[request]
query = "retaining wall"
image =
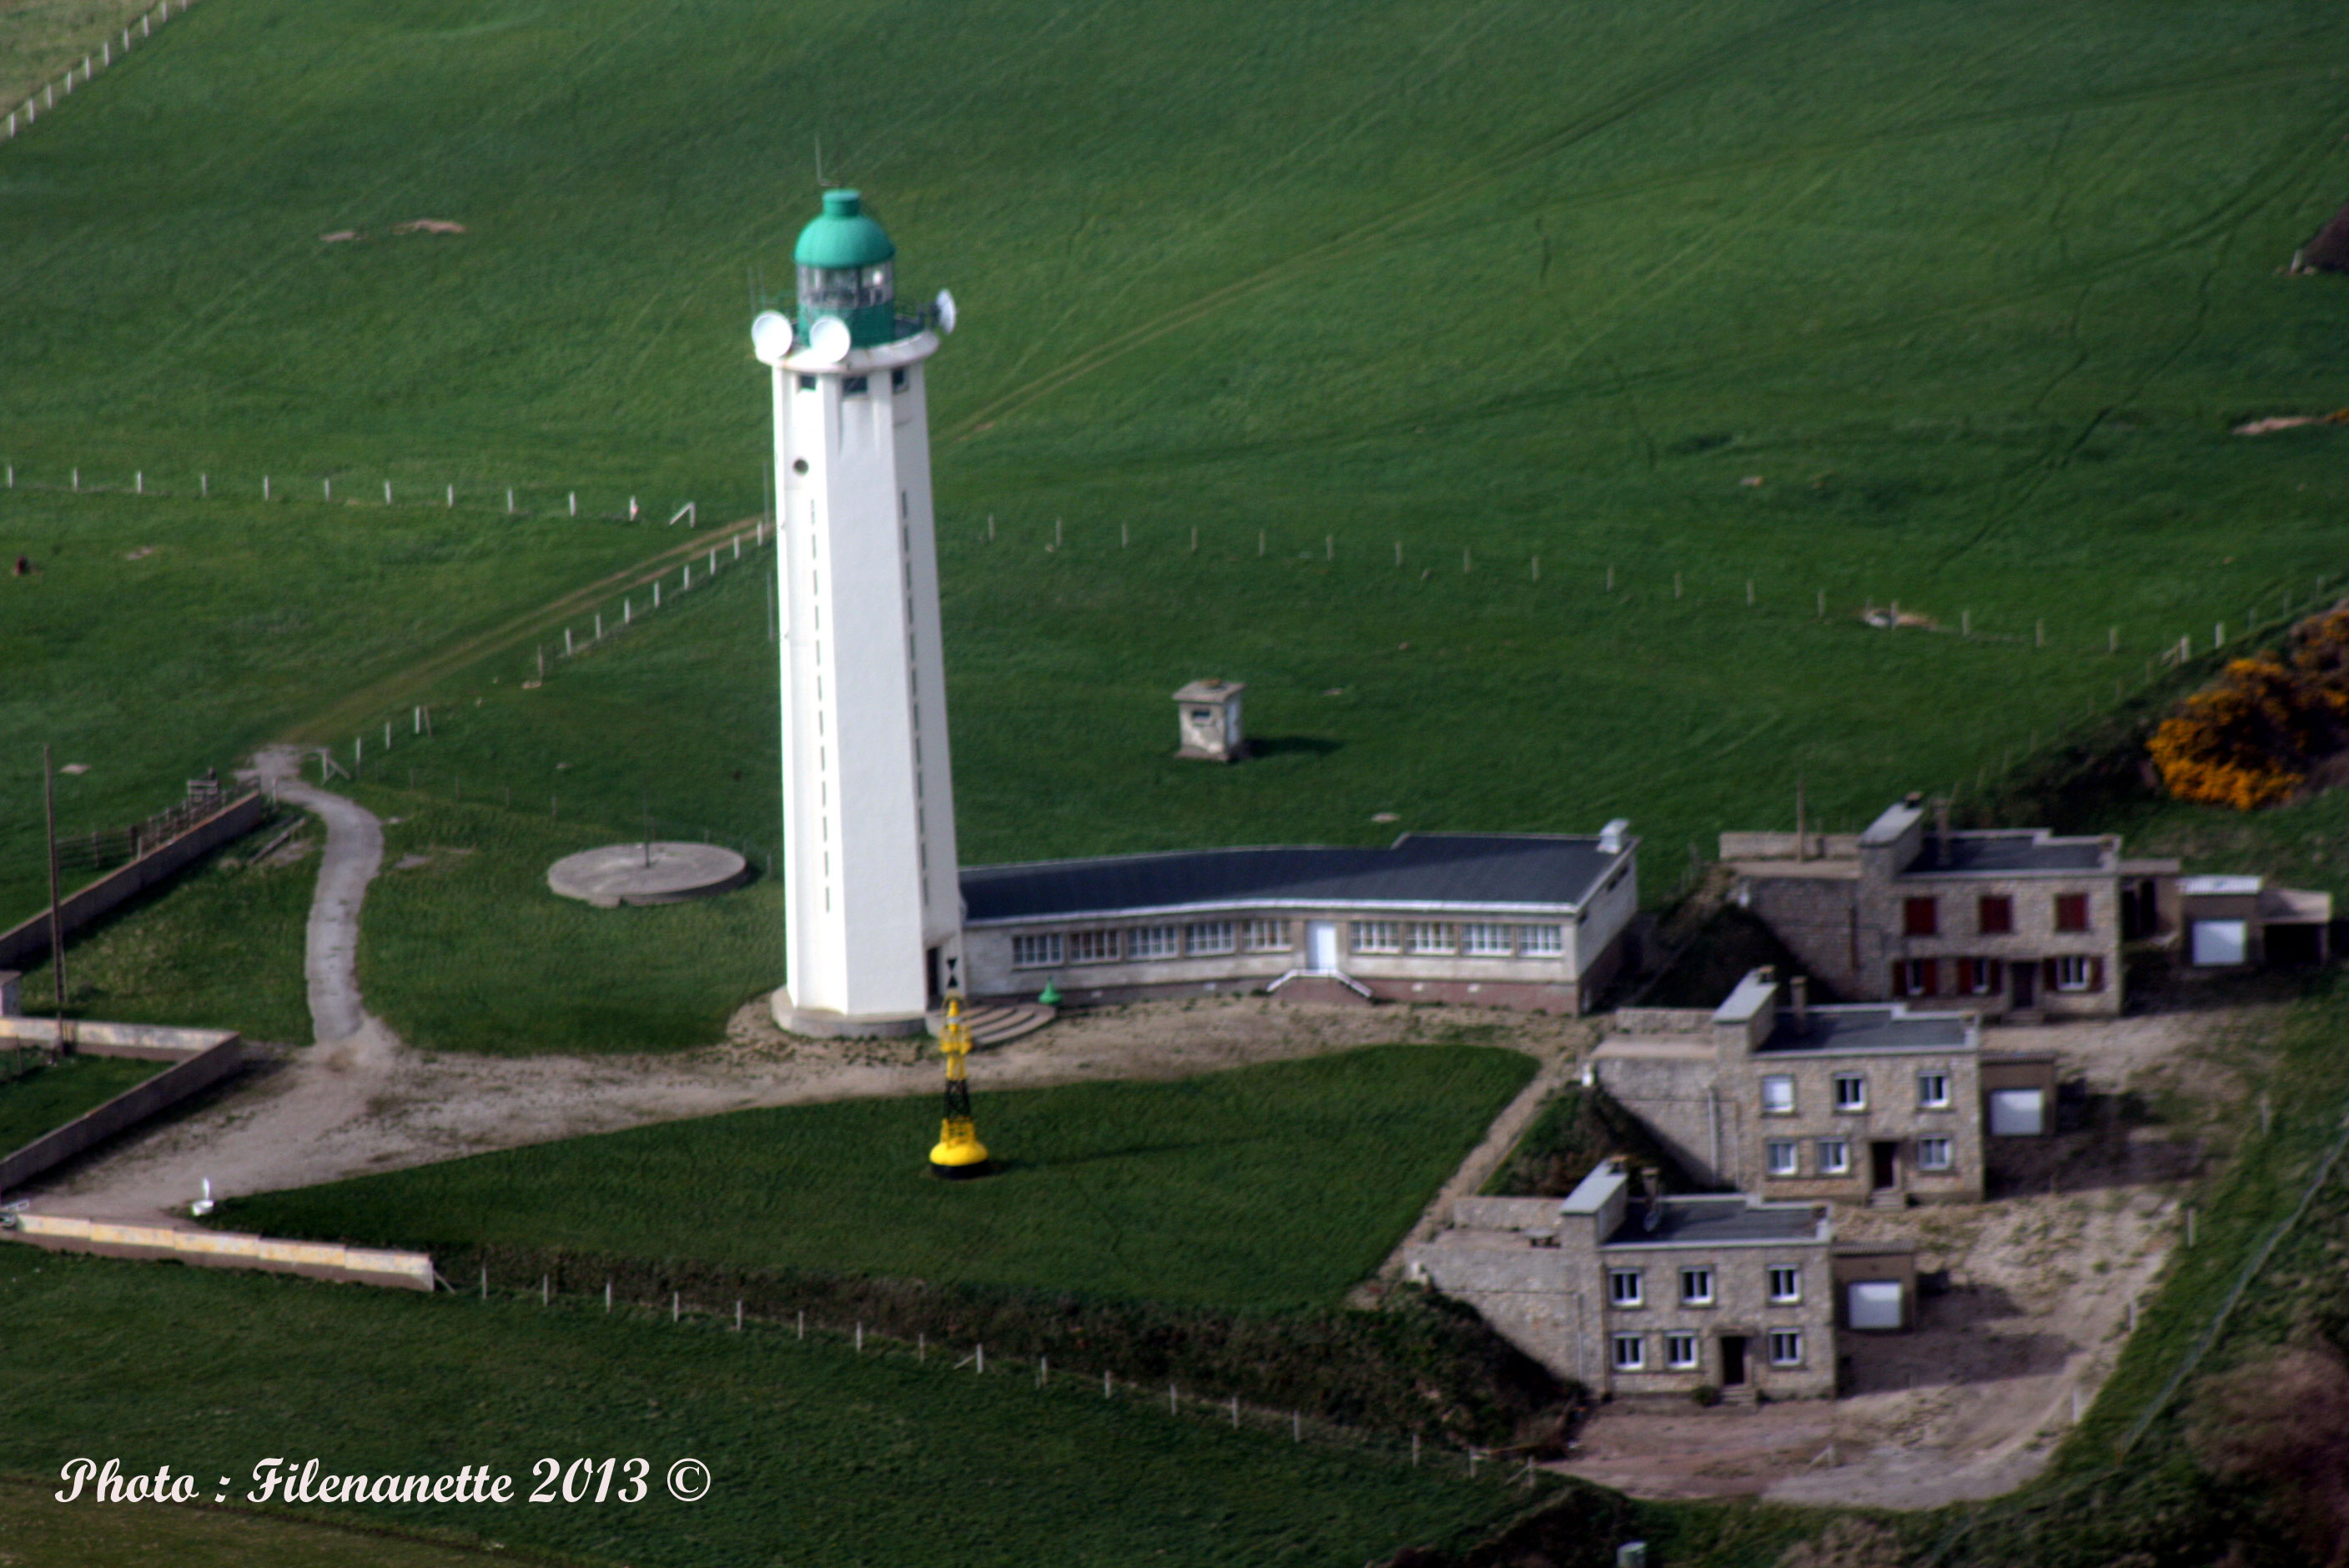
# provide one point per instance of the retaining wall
(203, 1058)
(28, 943)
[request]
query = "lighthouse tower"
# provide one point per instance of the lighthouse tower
(873, 906)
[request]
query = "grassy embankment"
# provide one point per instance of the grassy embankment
(819, 1457)
(36, 1099)
(42, 37)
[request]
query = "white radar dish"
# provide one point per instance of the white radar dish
(828, 340)
(945, 310)
(771, 336)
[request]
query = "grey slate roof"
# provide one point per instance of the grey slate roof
(1481, 871)
(1686, 1221)
(1863, 1029)
(2006, 853)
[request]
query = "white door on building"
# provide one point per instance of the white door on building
(2219, 943)
(1876, 1303)
(1321, 946)
(2018, 1112)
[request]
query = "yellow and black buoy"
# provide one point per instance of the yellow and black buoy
(959, 1156)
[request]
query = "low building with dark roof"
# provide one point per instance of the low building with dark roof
(1530, 921)
(1649, 1295)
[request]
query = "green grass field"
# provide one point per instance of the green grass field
(42, 1533)
(1975, 294)
(37, 1099)
(819, 1459)
(1262, 1188)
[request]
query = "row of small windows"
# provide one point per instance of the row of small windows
(1784, 1156)
(1851, 1092)
(1681, 1351)
(1212, 938)
(858, 386)
(1478, 940)
(1987, 976)
(1201, 939)
(1628, 1287)
(1994, 914)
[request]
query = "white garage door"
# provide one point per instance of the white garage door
(2018, 1112)
(2218, 942)
(1876, 1303)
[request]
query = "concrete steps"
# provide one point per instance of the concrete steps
(998, 1023)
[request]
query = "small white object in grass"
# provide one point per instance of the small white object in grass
(1386, 817)
(75, 767)
(1751, 481)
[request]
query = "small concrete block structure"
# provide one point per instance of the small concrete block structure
(1208, 721)
(2233, 922)
(1876, 1286)
(2018, 1094)
(656, 873)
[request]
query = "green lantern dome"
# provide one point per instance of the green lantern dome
(844, 236)
(847, 269)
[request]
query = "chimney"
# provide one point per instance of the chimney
(1652, 1189)
(1799, 988)
(1941, 824)
(1611, 836)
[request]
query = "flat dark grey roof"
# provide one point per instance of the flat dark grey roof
(2006, 853)
(1866, 1029)
(1470, 870)
(1686, 1221)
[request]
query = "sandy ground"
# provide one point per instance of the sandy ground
(2040, 1279)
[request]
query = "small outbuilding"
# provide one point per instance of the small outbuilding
(1207, 721)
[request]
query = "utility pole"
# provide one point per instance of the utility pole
(57, 920)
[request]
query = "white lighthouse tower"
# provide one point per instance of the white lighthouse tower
(873, 906)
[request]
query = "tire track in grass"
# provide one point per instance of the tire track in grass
(367, 703)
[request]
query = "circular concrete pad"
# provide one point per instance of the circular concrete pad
(636, 873)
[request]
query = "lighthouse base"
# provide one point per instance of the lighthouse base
(962, 1172)
(825, 1023)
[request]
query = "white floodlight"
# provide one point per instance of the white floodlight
(771, 336)
(829, 341)
(945, 310)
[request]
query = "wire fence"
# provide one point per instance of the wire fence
(28, 111)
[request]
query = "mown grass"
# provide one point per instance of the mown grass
(43, 1533)
(1975, 296)
(220, 946)
(819, 1457)
(1266, 1187)
(36, 1099)
(468, 949)
(41, 37)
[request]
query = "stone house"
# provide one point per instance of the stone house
(1877, 1103)
(1649, 1295)
(2002, 922)
(1538, 922)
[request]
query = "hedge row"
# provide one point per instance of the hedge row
(1420, 1363)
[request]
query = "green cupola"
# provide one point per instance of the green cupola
(846, 266)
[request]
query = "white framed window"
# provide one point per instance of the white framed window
(1784, 1159)
(1039, 951)
(1265, 936)
(1851, 1091)
(1210, 937)
(1430, 937)
(1488, 941)
(1680, 1351)
(1378, 936)
(1541, 940)
(1094, 946)
(2075, 972)
(1834, 1157)
(1980, 975)
(1696, 1287)
(1932, 1091)
(1935, 1154)
(1155, 941)
(1630, 1353)
(1777, 1094)
(1785, 1283)
(1786, 1347)
(1624, 1288)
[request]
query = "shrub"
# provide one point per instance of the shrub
(2256, 737)
(1706, 1394)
